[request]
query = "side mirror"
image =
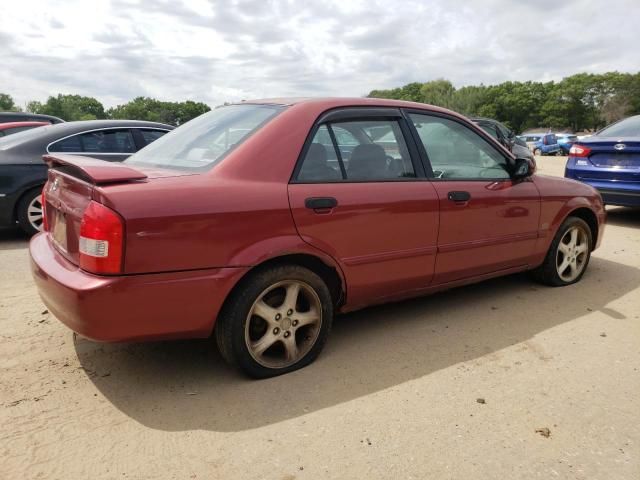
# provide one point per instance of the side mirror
(523, 168)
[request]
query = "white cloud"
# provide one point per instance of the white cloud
(216, 51)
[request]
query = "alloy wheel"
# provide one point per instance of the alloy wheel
(34, 213)
(283, 324)
(572, 253)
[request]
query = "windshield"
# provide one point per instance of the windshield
(204, 141)
(629, 127)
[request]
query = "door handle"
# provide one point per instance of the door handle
(459, 196)
(321, 203)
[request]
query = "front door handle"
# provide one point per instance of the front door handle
(459, 196)
(321, 203)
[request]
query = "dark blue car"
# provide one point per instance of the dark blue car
(610, 162)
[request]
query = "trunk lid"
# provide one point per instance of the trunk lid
(72, 183)
(613, 152)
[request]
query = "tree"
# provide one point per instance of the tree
(438, 92)
(152, 110)
(6, 103)
(70, 107)
(189, 110)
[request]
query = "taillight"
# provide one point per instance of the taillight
(101, 239)
(579, 151)
(43, 201)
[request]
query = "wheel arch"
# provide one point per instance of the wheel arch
(330, 273)
(586, 214)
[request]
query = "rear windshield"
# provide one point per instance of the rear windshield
(629, 127)
(204, 141)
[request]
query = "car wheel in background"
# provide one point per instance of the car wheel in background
(568, 255)
(537, 151)
(29, 211)
(276, 321)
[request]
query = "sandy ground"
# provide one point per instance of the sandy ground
(394, 395)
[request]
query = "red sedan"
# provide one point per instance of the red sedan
(258, 221)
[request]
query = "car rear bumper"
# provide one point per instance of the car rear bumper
(129, 307)
(624, 198)
(617, 186)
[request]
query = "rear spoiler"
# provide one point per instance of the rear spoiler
(92, 170)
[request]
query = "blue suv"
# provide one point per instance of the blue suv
(542, 143)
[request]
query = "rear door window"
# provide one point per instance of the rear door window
(151, 135)
(67, 145)
(108, 141)
(364, 150)
(99, 141)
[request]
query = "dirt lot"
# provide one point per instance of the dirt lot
(396, 393)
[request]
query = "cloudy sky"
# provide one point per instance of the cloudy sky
(216, 51)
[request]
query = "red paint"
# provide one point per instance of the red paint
(10, 125)
(190, 238)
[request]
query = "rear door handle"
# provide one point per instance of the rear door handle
(459, 196)
(321, 203)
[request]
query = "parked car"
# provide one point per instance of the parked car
(542, 143)
(505, 136)
(6, 117)
(565, 141)
(610, 162)
(23, 172)
(261, 240)
(10, 128)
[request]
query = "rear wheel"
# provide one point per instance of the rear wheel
(29, 211)
(568, 255)
(277, 321)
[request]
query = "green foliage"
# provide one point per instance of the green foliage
(69, 107)
(6, 103)
(144, 108)
(581, 101)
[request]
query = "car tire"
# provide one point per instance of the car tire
(276, 321)
(537, 151)
(568, 256)
(27, 211)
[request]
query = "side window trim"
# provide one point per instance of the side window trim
(345, 114)
(425, 157)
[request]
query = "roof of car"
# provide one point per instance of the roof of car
(108, 123)
(335, 102)
(31, 116)
(7, 125)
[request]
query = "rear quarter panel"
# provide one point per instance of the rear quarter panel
(196, 222)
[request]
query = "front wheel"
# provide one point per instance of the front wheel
(537, 151)
(277, 321)
(568, 255)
